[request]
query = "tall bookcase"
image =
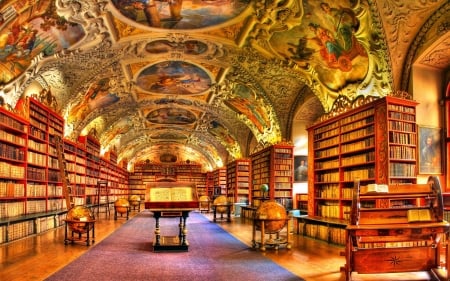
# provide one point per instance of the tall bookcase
(239, 181)
(31, 195)
(273, 166)
(373, 140)
(75, 158)
(44, 183)
(91, 146)
(220, 180)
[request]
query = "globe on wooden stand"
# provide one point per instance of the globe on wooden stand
(274, 216)
(221, 200)
(135, 201)
(121, 206)
(270, 218)
(80, 213)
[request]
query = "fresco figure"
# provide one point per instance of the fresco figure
(344, 22)
(97, 96)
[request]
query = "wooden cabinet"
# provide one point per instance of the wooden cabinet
(239, 181)
(374, 140)
(273, 166)
(398, 230)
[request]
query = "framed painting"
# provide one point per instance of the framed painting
(430, 147)
(300, 168)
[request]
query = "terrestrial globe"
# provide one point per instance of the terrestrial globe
(218, 201)
(134, 200)
(121, 205)
(80, 213)
(273, 215)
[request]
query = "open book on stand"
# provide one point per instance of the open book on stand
(374, 188)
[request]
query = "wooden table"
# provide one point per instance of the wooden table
(171, 243)
(82, 228)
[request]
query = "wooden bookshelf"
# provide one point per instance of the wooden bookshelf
(90, 144)
(75, 158)
(239, 181)
(209, 182)
(302, 202)
(383, 237)
(31, 187)
(31, 197)
(273, 166)
(146, 173)
(220, 180)
(374, 140)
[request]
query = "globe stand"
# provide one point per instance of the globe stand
(272, 242)
(271, 219)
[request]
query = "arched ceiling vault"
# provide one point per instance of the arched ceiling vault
(191, 80)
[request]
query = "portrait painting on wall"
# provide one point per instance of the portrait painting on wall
(430, 160)
(300, 168)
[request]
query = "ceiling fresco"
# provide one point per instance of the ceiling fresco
(208, 81)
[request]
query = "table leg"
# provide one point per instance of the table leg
(288, 234)
(184, 231)
(157, 232)
(228, 213)
(65, 234)
(88, 241)
(263, 245)
(254, 234)
(93, 232)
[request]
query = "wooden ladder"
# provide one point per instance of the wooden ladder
(67, 190)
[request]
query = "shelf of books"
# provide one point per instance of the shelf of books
(238, 181)
(91, 146)
(372, 139)
(273, 166)
(191, 172)
(146, 172)
(116, 177)
(75, 158)
(31, 197)
(220, 180)
(302, 202)
(209, 182)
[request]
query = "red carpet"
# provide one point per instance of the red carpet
(214, 255)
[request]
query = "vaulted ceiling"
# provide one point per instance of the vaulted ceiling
(209, 81)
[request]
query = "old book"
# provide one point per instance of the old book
(173, 194)
(375, 188)
(418, 215)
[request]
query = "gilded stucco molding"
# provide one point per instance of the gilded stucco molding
(402, 21)
(440, 24)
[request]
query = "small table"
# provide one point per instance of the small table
(271, 242)
(227, 206)
(82, 228)
(171, 243)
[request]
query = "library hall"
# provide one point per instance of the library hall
(209, 140)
